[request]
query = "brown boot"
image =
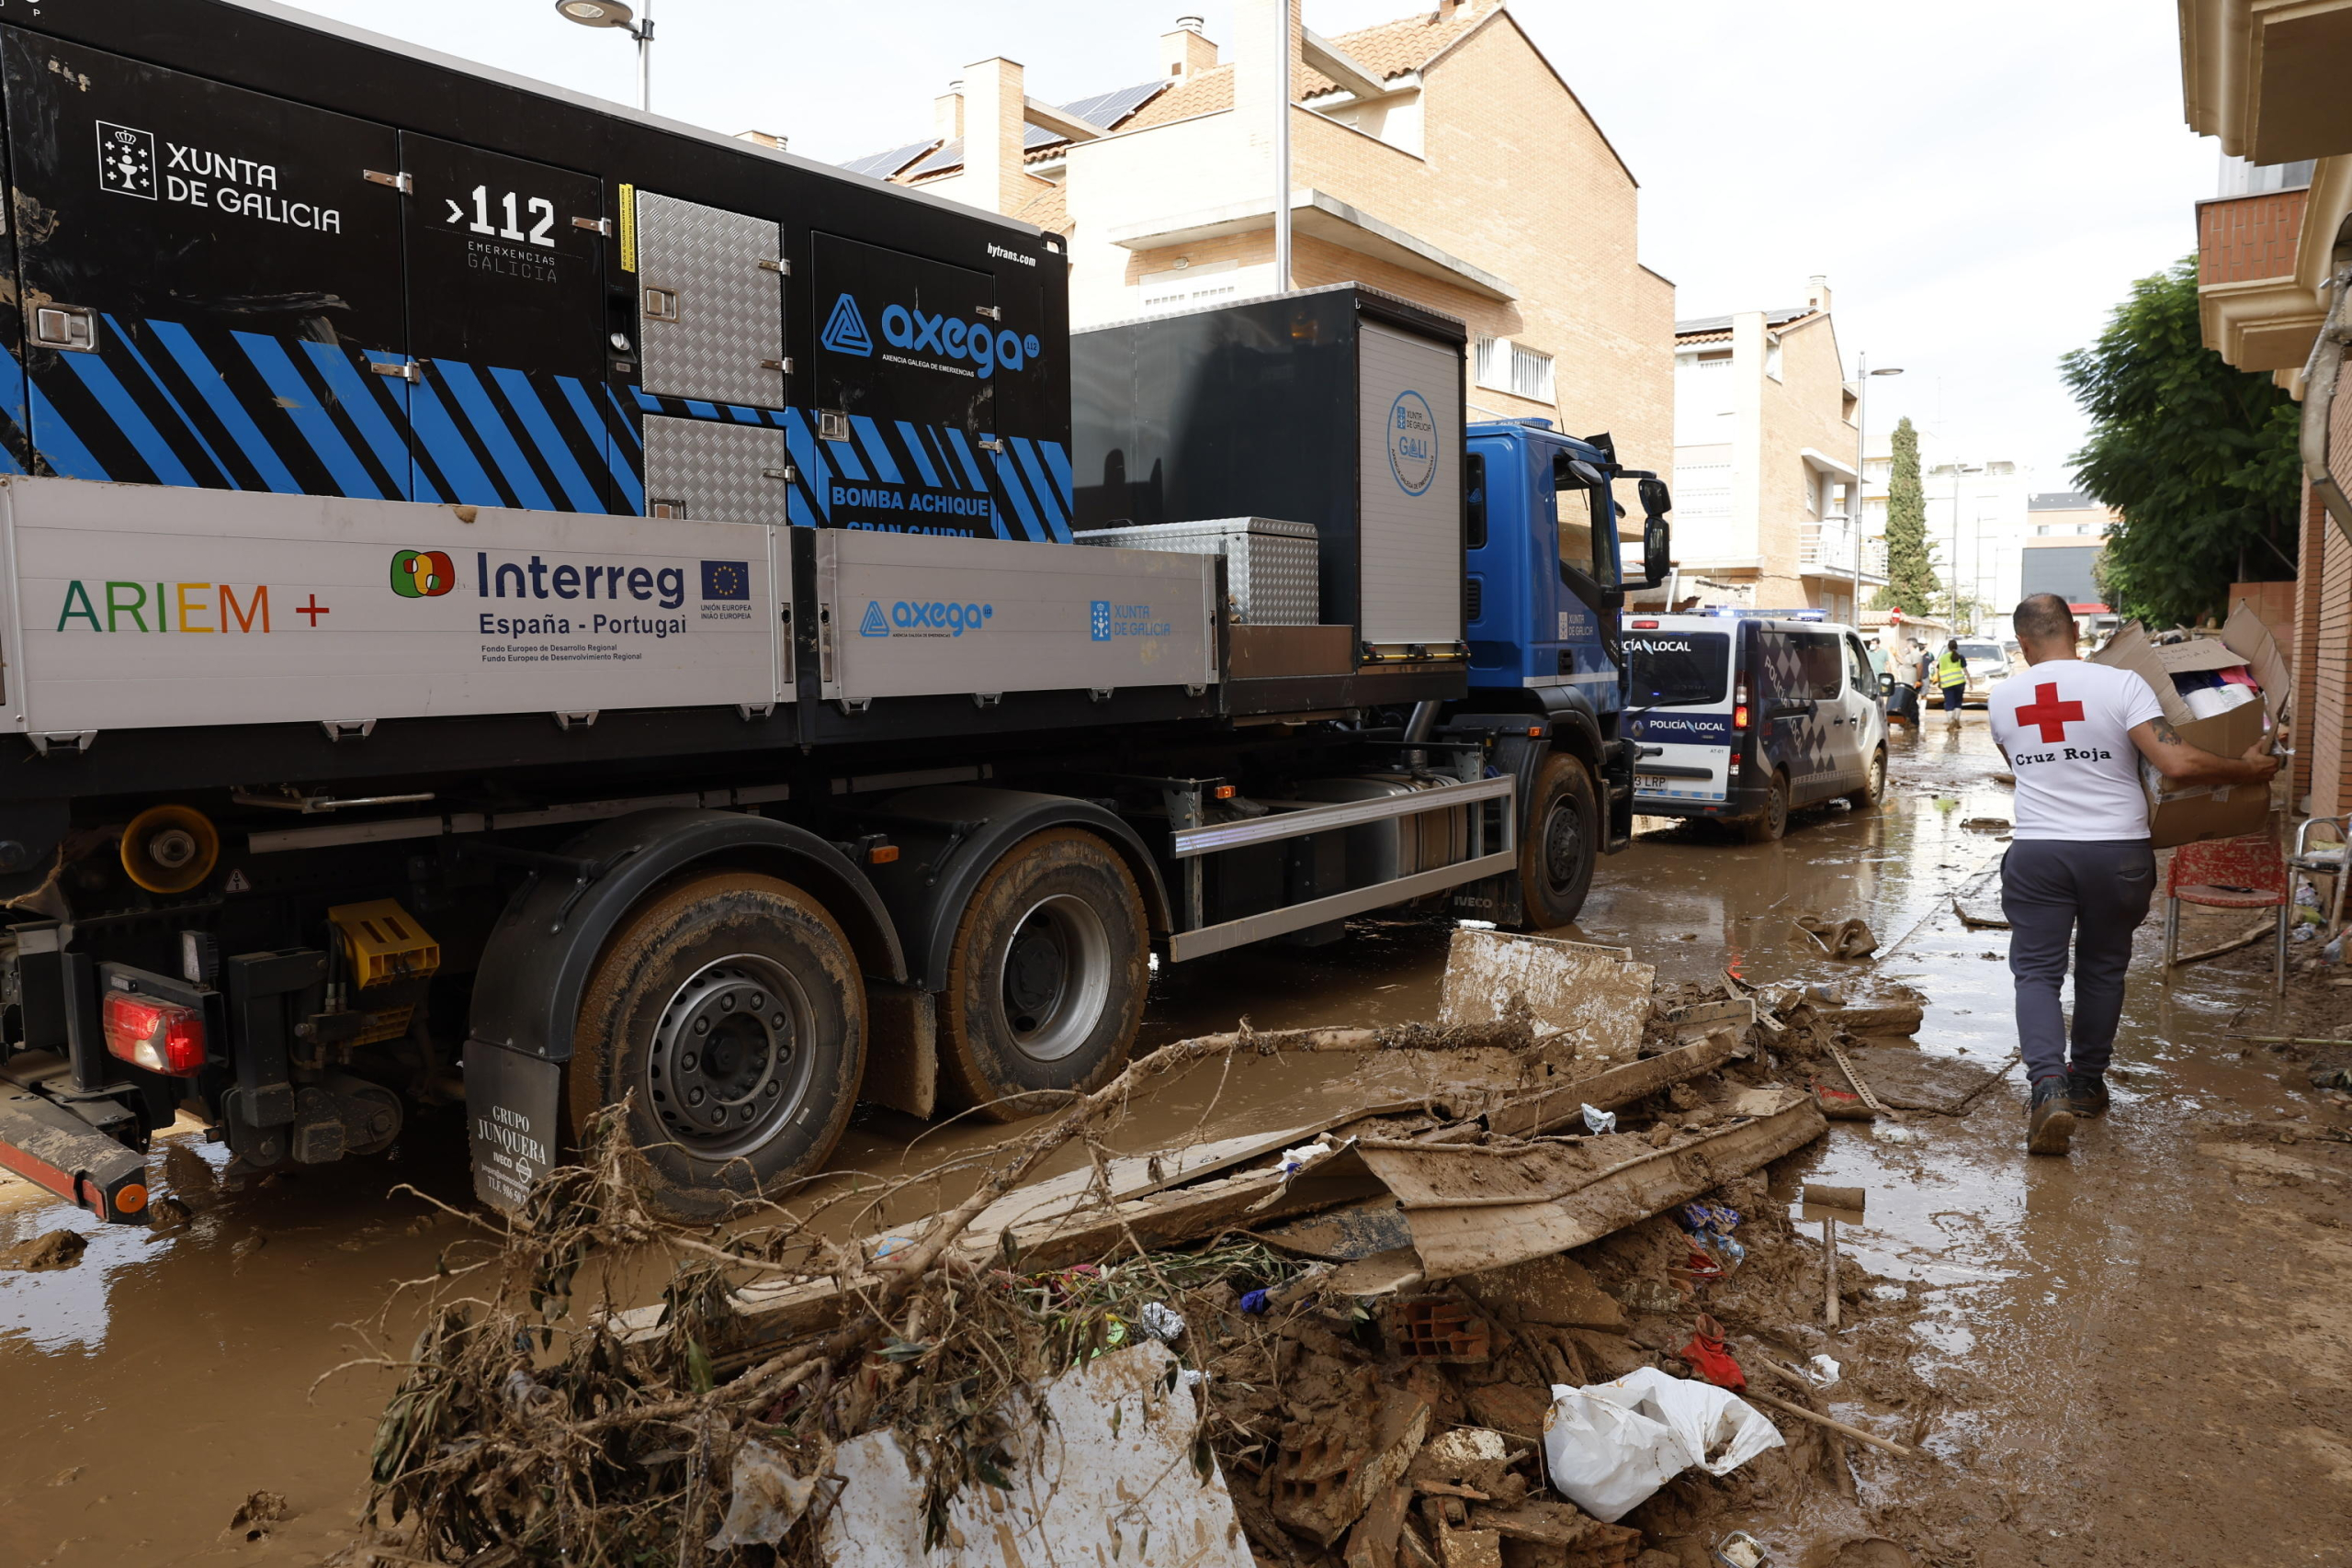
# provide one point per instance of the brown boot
(2051, 1123)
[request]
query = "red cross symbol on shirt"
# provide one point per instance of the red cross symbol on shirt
(2048, 712)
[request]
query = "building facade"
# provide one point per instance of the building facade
(1764, 449)
(1977, 523)
(1441, 157)
(2269, 81)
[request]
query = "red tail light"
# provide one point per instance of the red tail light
(158, 1036)
(1645, 626)
(1740, 707)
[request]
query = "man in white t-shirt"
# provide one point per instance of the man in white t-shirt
(2079, 871)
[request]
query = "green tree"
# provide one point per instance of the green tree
(1910, 570)
(2198, 458)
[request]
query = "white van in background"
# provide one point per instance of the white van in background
(1745, 717)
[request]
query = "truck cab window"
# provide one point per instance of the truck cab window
(1588, 526)
(1473, 501)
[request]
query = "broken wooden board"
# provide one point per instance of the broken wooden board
(1457, 1233)
(1978, 903)
(1556, 1290)
(1109, 1472)
(1608, 1090)
(1342, 1235)
(1596, 996)
(1699, 1019)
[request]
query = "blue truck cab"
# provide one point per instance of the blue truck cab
(1545, 584)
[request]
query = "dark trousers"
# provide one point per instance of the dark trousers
(2091, 896)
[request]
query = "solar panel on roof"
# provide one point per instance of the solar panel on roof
(949, 156)
(882, 165)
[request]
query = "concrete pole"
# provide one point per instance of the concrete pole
(1282, 155)
(645, 56)
(1862, 466)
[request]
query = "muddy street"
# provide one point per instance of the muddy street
(2130, 1350)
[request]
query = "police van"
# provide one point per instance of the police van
(1746, 715)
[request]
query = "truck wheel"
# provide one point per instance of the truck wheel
(1770, 824)
(1873, 788)
(1046, 979)
(1556, 858)
(730, 1012)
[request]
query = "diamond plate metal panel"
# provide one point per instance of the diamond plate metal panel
(1270, 563)
(714, 472)
(709, 314)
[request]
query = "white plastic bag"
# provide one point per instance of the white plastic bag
(1608, 1446)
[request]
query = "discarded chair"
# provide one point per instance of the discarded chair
(2324, 858)
(2230, 874)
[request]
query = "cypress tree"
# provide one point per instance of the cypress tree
(1910, 570)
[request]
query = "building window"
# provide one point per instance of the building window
(1489, 360)
(1772, 359)
(1531, 374)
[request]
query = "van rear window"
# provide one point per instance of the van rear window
(1678, 669)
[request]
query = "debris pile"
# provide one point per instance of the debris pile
(1474, 1322)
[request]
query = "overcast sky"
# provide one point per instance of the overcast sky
(1981, 183)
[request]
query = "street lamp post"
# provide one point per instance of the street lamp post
(614, 14)
(1958, 469)
(1862, 374)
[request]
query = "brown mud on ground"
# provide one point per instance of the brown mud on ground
(2134, 1356)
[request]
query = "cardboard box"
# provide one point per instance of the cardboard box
(2188, 814)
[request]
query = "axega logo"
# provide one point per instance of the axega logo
(935, 618)
(986, 348)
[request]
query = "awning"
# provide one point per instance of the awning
(1322, 217)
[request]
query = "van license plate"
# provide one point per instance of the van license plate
(1652, 784)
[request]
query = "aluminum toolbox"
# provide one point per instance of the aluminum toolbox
(1270, 564)
(912, 615)
(1339, 407)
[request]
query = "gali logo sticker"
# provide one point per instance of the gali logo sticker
(845, 329)
(1412, 443)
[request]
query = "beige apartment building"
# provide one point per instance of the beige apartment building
(1764, 448)
(1441, 157)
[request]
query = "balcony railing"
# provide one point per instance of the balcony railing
(1828, 547)
(2246, 239)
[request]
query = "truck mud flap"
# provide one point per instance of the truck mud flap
(45, 1143)
(512, 1103)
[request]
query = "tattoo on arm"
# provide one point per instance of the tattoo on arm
(2164, 733)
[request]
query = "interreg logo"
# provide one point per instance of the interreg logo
(910, 618)
(422, 574)
(845, 329)
(984, 347)
(1412, 443)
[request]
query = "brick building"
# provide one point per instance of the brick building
(1764, 450)
(2268, 80)
(1441, 157)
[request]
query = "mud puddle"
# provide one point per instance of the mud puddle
(2123, 1345)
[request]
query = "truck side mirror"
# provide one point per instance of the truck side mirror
(1657, 548)
(1656, 500)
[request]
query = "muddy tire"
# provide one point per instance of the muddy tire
(1562, 839)
(729, 1010)
(1873, 788)
(1771, 824)
(1046, 979)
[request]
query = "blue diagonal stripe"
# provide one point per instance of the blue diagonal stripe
(647, 400)
(816, 474)
(352, 393)
(630, 496)
(621, 420)
(214, 389)
(481, 414)
(130, 346)
(1008, 475)
(12, 388)
(1048, 502)
(1058, 460)
(523, 399)
(843, 454)
(962, 453)
(877, 450)
(102, 383)
(913, 438)
(301, 404)
(438, 433)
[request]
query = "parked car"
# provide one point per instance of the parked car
(1987, 664)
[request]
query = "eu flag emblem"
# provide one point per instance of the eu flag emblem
(726, 579)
